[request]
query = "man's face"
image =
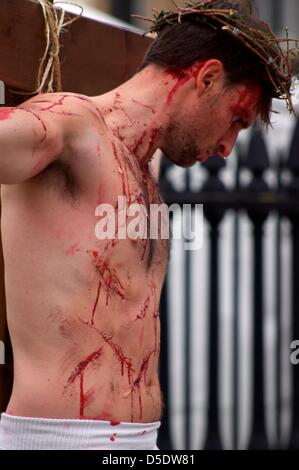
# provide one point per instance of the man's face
(211, 126)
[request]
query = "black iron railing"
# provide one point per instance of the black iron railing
(258, 201)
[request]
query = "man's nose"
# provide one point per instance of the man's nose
(227, 143)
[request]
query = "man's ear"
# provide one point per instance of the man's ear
(210, 75)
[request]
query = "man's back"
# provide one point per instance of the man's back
(82, 312)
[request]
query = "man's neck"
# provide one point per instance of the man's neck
(137, 112)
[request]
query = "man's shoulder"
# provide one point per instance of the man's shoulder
(64, 104)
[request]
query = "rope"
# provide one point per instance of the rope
(49, 73)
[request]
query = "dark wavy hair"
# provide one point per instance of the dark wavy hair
(180, 45)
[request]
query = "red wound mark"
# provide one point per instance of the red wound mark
(104, 417)
(112, 438)
(124, 361)
(85, 398)
(139, 142)
(118, 105)
(114, 423)
(137, 381)
(248, 101)
(123, 172)
(73, 249)
(89, 101)
(182, 76)
(79, 372)
(149, 137)
(52, 105)
(96, 303)
(40, 121)
(82, 365)
(110, 281)
(144, 309)
(141, 316)
(5, 113)
(152, 139)
(144, 106)
(155, 313)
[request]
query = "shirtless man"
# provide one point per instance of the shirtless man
(83, 313)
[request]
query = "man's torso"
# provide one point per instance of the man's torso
(83, 313)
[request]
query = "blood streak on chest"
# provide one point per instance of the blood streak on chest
(50, 105)
(73, 249)
(135, 379)
(141, 316)
(156, 313)
(109, 282)
(137, 382)
(122, 169)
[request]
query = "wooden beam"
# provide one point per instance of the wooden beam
(95, 57)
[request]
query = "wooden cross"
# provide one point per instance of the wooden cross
(95, 58)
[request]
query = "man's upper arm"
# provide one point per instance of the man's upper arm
(29, 140)
(35, 133)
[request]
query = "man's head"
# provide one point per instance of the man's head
(235, 81)
(207, 114)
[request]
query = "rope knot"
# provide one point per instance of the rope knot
(49, 74)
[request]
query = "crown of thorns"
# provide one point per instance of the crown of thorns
(277, 54)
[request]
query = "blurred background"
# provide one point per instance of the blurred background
(277, 12)
(229, 311)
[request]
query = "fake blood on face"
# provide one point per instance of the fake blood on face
(247, 102)
(182, 76)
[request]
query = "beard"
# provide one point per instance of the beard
(180, 147)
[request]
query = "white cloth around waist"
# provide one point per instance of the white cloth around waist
(24, 433)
